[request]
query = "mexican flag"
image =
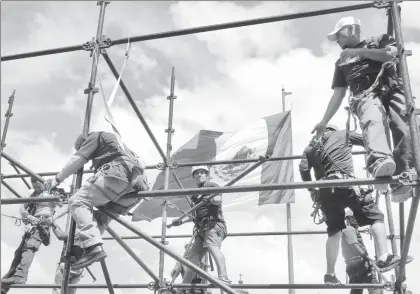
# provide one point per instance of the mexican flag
(270, 136)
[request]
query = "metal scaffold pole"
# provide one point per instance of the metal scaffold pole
(415, 138)
(169, 132)
(90, 91)
(290, 262)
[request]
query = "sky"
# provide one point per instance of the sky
(223, 80)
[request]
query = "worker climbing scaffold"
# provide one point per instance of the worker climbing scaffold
(330, 157)
(367, 68)
(38, 222)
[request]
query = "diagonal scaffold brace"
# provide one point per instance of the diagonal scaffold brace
(90, 91)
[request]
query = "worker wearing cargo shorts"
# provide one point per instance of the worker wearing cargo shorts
(367, 68)
(210, 228)
(331, 158)
(118, 172)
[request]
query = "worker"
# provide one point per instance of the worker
(210, 228)
(38, 219)
(331, 159)
(359, 267)
(374, 103)
(118, 172)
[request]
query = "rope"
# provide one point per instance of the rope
(170, 204)
(18, 221)
(317, 214)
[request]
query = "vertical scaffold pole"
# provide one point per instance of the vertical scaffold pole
(415, 137)
(289, 217)
(90, 91)
(170, 132)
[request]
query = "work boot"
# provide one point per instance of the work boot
(91, 255)
(331, 280)
(13, 280)
(390, 262)
(385, 168)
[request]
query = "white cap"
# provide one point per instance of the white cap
(199, 167)
(345, 21)
(348, 212)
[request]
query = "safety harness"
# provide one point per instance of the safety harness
(383, 87)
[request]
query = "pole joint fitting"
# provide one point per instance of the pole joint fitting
(408, 178)
(100, 2)
(171, 97)
(390, 286)
(8, 114)
(384, 3)
(103, 42)
(170, 131)
(90, 89)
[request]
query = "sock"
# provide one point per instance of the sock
(331, 274)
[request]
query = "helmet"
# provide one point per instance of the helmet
(332, 127)
(199, 167)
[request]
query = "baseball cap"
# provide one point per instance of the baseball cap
(345, 21)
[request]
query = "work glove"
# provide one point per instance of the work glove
(314, 195)
(51, 184)
(207, 199)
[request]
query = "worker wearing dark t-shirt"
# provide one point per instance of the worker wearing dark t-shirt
(373, 103)
(117, 172)
(331, 159)
(210, 228)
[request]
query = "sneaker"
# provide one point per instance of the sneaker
(385, 168)
(13, 280)
(331, 280)
(401, 193)
(224, 280)
(387, 265)
(91, 255)
(409, 259)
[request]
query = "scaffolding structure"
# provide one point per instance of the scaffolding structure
(98, 46)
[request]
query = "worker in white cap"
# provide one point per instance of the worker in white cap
(210, 227)
(367, 68)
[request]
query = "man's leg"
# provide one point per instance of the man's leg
(367, 212)
(194, 255)
(102, 188)
(373, 121)
(30, 247)
(403, 153)
(214, 237)
(332, 205)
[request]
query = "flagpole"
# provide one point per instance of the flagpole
(289, 217)
(169, 131)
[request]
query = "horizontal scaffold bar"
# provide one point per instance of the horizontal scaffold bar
(233, 189)
(202, 29)
(203, 286)
(249, 234)
(184, 164)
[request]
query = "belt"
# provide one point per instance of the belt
(337, 175)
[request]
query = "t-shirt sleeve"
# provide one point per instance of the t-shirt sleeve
(338, 79)
(89, 146)
(385, 41)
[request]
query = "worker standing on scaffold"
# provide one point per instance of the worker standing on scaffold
(331, 159)
(359, 267)
(367, 67)
(117, 172)
(210, 228)
(38, 219)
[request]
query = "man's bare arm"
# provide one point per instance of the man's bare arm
(382, 55)
(333, 106)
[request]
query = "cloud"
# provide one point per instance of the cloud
(223, 80)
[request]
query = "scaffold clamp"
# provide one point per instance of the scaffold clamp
(103, 42)
(389, 286)
(384, 3)
(408, 179)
